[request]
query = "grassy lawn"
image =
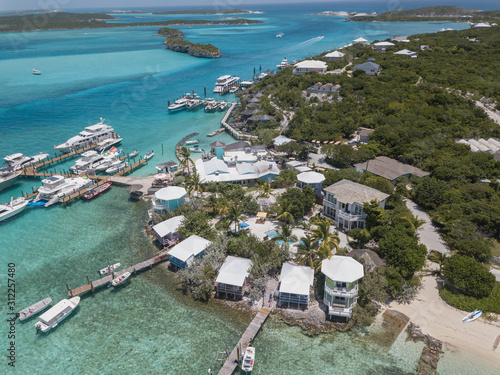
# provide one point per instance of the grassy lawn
(489, 304)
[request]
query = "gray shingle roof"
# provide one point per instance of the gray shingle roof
(346, 191)
(390, 168)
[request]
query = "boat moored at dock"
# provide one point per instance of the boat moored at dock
(117, 166)
(19, 161)
(149, 155)
(14, 207)
(97, 190)
(109, 269)
(57, 187)
(120, 280)
(56, 314)
(92, 134)
(248, 359)
(225, 83)
(8, 177)
(34, 309)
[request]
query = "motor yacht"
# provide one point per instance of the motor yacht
(12, 208)
(56, 314)
(92, 134)
(57, 187)
(224, 84)
(19, 161)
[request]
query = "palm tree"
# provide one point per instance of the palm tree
(306, 254)
(223, 205)
(193, 183)
(212, 202)
(437, 257)
(285, 216)
(415, 223)
(327, 241)
(234, 215)
(285, 235)
(185, 157)
(265, 190)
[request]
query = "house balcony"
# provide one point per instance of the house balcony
(340, 310)
(342, 292)
(329, 204)
(343, 215)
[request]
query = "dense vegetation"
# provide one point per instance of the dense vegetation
(174, 40)
(432, 13)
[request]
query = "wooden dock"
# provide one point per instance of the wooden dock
(181, 142)
(67, 155)
(93, 285)
(250, 333)
(215, 132)
(235, 133)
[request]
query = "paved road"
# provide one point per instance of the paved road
(428, 234)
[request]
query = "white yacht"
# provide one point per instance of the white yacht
(117, 166)
(178, 105)
(56, 187)
(12, 208)
(60, 311)
(36, 72)
(107, 143)
(19, 161)
(280, 35)
(8, 177)
(92, 134)
(284, 63)
(89, 160)
(224, 84)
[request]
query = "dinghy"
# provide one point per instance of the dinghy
(472, 316)
(34, 309)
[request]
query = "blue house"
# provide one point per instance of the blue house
(185, 252)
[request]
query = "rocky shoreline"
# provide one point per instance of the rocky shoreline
(174, 41)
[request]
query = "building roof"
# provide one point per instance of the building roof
(311, 177)
(237, 145)
(190, 247)
(335, 54)
(311, 64)
(303, 168)
(294, 163)
(215, 165)
(360, 40)
(364, 131)
(217, 144)
(401, 39)
(346, 191)
(296, 279)
(171, 193)
(343, 269)
(390, 168)
(383, 44)
(234, 271)
(168, 226)
(246, 168)
(282, 140)
(405, 52)
(367, 66)
(370, 257)
(261, 170)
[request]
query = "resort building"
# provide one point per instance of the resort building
(217, 149)
(168, 199)
(281, 140)
(335, 55)
(327, 88)
(361, 135)
(295, 285)
(382, 46)
(370, 68)
(389, 168)
(166, 231)
(232, 277)
(490, 145)
(402, 39)
(312, 179)
(341, 284)
(185, 252)
(361, 40)
(169, 166)
(344, 203)
(406, 52)
(308, 66)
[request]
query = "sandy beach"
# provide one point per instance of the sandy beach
(444, 323)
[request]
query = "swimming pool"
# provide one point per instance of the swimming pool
(272, 233)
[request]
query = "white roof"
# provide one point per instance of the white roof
(261, 169)
(190, 247)
(246, 168)
(311, 177)
(215, 165)
(360, 39)
(384, 44)
(170, 193)
(344, 269)
(296, 279)
(266, 167)
(282, 140)
(234, 271)
(335, 54)
(294, 163)
(168, 226)
(405, 52)
(311, 64)
(303, 168)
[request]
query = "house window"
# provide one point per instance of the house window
(358, 210)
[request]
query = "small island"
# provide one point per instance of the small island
(174, 41)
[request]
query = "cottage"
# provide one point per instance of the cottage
(335, 55)
(295, 285)
(361, 135)
(361, 40)
(344, 203)
(281, 140)
(185, 252)
(370, 258)
(308, 66)
(341, 284)
(389, 168)
(312, 179)
(168, 199)
(402, 39)
(232, 277)
(370, 68)
(406, 52)
(382, 46)
(327, 88)
(169, 166)
(166, 231)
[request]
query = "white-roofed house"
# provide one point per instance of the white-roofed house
(344, 203)
(185, 252)
(169, 198)
(313, 179)
(308, 66)
(361, 40)
(281, 140)
(166, 231)
(341, 284)
(335, 55)
(232, 277)
(295, 285)
(382, 46)
(405, 52)
(370, 68)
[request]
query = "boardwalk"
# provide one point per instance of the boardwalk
(64, 156)
(235, 133)
(91, 286)
(245, 340)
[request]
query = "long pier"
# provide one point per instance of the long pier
(181, 142)
(236, 134)
(93, 285)
(245, 340)
(67, 155)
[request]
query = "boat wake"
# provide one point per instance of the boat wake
(306, 44)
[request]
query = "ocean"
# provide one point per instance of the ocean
(126, 76)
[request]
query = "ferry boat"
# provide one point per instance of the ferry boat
(117, 166)
(120, 280)
(19, 161)
(56, 314)
(8, 177)
(248, 359)
(92, 134)
(97, 190)
(36, 72)
(34, 309)
(284, 63)
(108, 269)
(224, 84)
(12, 208)
(57, 187)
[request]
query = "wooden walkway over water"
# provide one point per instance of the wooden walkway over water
(245, 340)
(235, 133)
(93, 285)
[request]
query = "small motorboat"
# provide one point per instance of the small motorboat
(194, 141)
(117, 166)
(196, 149)
(133, 153)
(60, 311)
(120, 280)
(36, 72)
(34, 309)
(472, 316)
(497, 341)
(108, 269)
(136, 194)
(97, 190)
(149, 155)
(248, 359)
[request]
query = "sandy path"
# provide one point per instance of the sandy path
(444, 323)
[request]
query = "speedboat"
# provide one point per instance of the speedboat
(194, 141)
(248, 359)
(117, 166)
(279, 35)
(133, 153)
(149, 155)
(57, 187)
(56, 314)
(12, 208)
(108, 269)
(97, 190)
(221, 106)
(92, 134)
(120, 280)
(178, 105)
(34, 309)
(36, 72)
(224, 84)
(107, 143)
(472, 316)
(8, 177)
(18, 161)
(196, 149)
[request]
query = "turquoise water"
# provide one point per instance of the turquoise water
(126, 76)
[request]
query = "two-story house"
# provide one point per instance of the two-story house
(344, 203)
(341, 284)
